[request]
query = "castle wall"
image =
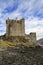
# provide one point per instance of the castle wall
(33, 37)
(15, 27)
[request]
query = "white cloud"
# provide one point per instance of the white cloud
(34, 25)
(32, 7)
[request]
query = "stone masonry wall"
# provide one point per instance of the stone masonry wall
(15, 28)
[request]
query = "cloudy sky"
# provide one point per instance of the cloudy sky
(31, 10)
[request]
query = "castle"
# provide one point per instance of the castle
(16, 28)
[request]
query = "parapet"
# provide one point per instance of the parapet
(16, 20)
(33, 33)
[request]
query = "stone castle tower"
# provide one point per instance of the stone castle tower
(15, 27)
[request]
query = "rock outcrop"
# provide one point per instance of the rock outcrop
(22, 55)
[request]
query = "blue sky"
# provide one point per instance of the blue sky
(31, 10)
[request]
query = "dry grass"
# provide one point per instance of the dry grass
(15, 43)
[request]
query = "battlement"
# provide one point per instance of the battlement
(16, 20)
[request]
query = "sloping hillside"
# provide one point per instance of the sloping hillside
(16, 41)
(40, 42)
(22, 55)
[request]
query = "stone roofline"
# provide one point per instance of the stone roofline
(16, 19)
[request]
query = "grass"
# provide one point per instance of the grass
(5, 44)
